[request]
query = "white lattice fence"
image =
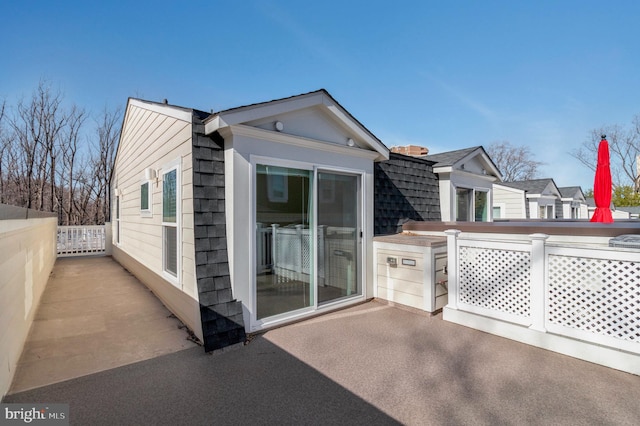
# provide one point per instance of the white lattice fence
(495, 281)
(580, 299)
(594, 298)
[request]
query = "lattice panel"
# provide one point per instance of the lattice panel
(496, 279)
(595, 295)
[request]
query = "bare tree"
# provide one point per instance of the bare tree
(4, 144)
(47, 161)
(514, 162)
(624, 147)
(104, 155)
(70, 153)
(36, 126)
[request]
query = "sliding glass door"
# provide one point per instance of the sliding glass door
(308, 248)
(338, 236)
(284, 240)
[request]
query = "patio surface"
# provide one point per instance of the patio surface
(93, 316)
(369, 364)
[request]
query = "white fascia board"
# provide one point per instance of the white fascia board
(257, 133)
(485, 160)
(356, 128)
(215, 124)
(168, 110)
(274, 108)
(267, 109)
(451, 171)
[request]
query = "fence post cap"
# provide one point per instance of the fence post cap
(538, 236)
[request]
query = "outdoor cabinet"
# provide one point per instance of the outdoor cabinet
(411, 270)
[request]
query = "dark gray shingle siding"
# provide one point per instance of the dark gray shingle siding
(220, 314)
(405, 189)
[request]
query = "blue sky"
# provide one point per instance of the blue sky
(446, 75)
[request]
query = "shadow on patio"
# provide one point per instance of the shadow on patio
(369, 364)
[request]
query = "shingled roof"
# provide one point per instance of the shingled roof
(449, 158)
(534, 186)
(569, 191)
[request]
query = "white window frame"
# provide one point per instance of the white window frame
(148, 212)
(174, 279)
(118, 209)
(260, 324)
(502, 207)
(472, 202)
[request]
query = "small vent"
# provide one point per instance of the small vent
(626, 241)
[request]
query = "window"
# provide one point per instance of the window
(117, 217)
(463, 203)
(472, 205)
(497, 212)
(170, 228)
(145, 199)
(481, 206)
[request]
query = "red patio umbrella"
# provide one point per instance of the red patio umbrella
(602, 184)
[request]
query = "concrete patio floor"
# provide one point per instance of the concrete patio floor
(93, 316)
(369, 364)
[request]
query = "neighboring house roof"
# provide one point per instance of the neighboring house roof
(533, 186)
(634, 210)
(571, 192)
(456, 159)
(451, 157)
(592, 204)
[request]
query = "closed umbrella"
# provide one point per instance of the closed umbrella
(602, 184)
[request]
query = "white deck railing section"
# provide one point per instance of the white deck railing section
(81, 240)
(589, 293)
(285, 251)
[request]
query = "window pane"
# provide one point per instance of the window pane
(284, 239)
(169, 197)
(144, 196)
(481, 206)
(497, 212)
(171, 250)
(463, 202)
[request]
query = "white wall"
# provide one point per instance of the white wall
(513, 200)
(27, 256)
(156, 138)
(449, 182)
(240, 150)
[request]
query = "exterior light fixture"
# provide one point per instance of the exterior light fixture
(278, 126)
(350, 142)
(150, 174)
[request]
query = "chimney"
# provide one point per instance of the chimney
(413, 150)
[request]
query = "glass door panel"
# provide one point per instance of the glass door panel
(284, 241)
(338, 225)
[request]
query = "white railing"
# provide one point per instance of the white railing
(578, 299)
(81, 240)
(286, 252)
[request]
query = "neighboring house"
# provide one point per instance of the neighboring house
(246, 218)
(634, 211)
(509, 202)
(528, 199)
(466, 179)
(406, 188)
(616, 213)
(574, 203)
